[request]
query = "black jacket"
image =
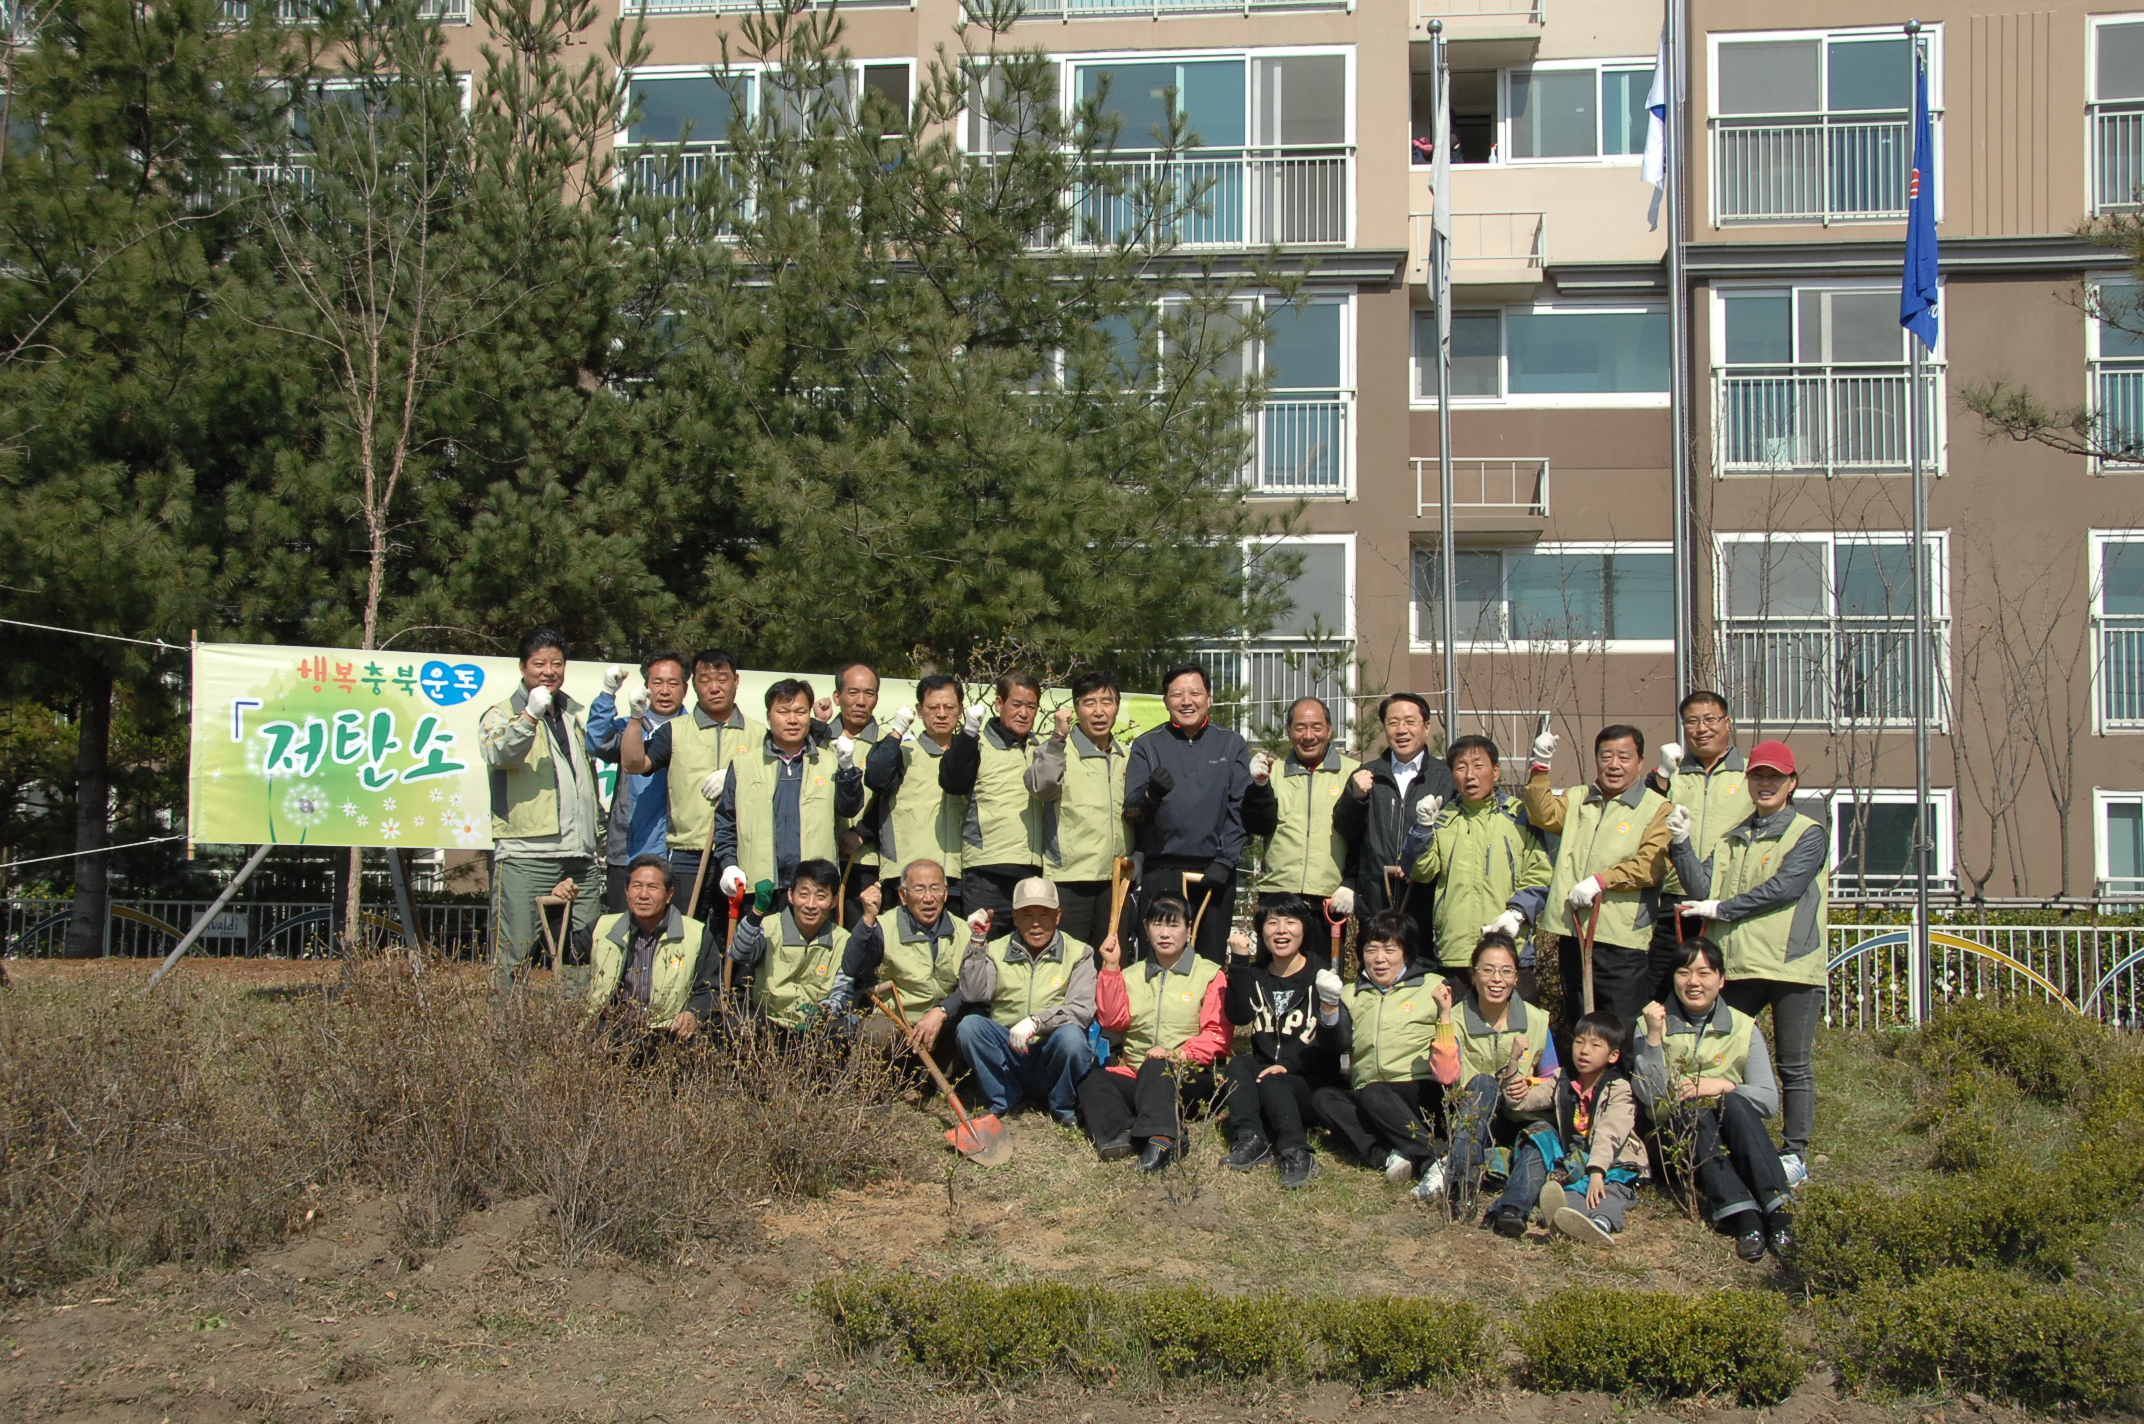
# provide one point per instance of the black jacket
(1283, 1016)
(1376, 825)
(1199, 819)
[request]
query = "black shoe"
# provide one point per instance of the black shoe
(1159, 1153)
(1297, 1167)
(1779, 1233)
(1508, 1222)
(1116, 1149)
(1749, 1238)
(1249, 1152)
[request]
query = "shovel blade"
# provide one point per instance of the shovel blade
(982, 1140)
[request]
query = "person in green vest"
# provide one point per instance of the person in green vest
(1766, 891)
(1386, 1024)
(919, 958)
(1491, 1046)
(652, 969)
(917, 820)
(1707, 776)
(1077, 778)
(1300, 851)
(1705, 1080)
(794, 967)
(780, 805)
(543, 814)
(1607, 871)
(1167, 1026)
(1483, 858)
(1001, 835)
(1026, 1000)
(697, 748)
(852, 713)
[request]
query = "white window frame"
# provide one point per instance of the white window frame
(1417, 367)
(1421, 640)
(2099, 365)
(1069, 65)
(2096, 109)
(1505, 117)
(1255, 548)
(1347, 395)
(2102, 800)
(1941, 867)
(2130, 630)
(697, 144)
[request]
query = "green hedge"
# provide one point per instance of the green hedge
(1655, 1343)
(2044, 1347)
(2050, 1053)
(1849, 1238)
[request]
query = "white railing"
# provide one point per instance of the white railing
(2095, 970)
(1813, 169)
(1781, 673)
(1157, 9)
(2117, 156)
(2118, 660)
(1302, 448)
(1496, 486)
(2118, 414)
(1822, 419)
(1230, 200)
(1254, 685)
(1427, 10)
(305, 12)
(1482, 240)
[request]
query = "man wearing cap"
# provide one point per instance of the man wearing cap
(1035, 991)
(1288, 812)
(1704, 774)
(1183, 794)
(1764, 896)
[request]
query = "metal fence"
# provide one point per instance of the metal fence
(2117, 156)
(1828, 673)
(1810, 169)
(1228, 199)
(2094, 970)
(1825, 420)
(261, 929)
(1302, 448)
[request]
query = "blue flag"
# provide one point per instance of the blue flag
(1917, 292)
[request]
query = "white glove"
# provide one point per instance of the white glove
(1261, 767)
(845, 752)
(972, 723)
(902, 721)
(539, 701)
(1328, 987)
(1343, 900)
(731, 884)
(637, 704)
(1702, 909)
(1670, 759)
(615, 677)
(1508, 923)
(1585, 892)
(1022, 1034)
(711, 785)
(979, 924)
(1679, 824)
(1425, 811)
(1545, 748)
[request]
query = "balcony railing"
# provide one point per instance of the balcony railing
(2119, 657)
(305, 12)
(2118, 414)
(1828, 673)
(1814, 169)
(1158, 9)
(1254, 685)
(1302, 449)
(1481, 242)
(2117, 156)
(731, 7)
(1232, 200)
(1483, 486)
(1822, 420)
(1427, 10)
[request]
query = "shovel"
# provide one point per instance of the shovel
(1338, 922)
(1585, 952)
(982, 1140)
(1120, 884)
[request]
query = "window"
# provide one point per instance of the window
(1549, 355)
(687, 107)
(1556, 593)
(1817, 629)
(1309, 650)
(2115, 334)
(1577, 112)
(2118, 627)
(1872, 838)
(2118, 819)
(1321, 591)
(1262, 101)
(1304, 444)
(2116, 113)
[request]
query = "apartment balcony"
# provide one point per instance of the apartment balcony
(1234, 200)
(1823, 420)
(2118, 415)
(1781, 673)
(2118, 658)
(1302, 450)
(303, 12)
(1508, 23)
(1254, 684)
(2117, 157)
(1067, 10)
(1506, 250)
(1486, 494)
(1814, 169)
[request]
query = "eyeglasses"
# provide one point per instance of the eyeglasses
(1500, 971)
(1704, 722)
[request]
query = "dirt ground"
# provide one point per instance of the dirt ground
(496, 1325)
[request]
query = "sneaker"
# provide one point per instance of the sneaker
(1431, 1187)
(1581, 1227)
(1797, 1170)
(1398, 1170)
(1249, 1152)
(1749, 1245)
(1779, 1233)
(1067, 1121)
(1551, 1201)
(1297, 1167)
(1508, 1222)
(1116, 1149)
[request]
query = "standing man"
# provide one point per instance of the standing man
(1384, 801)
(640, 805)
(1001, 835)
(853, 714)
(917, 818)
(697, 750)
(543, 812)
(779, 806)
(1300, 849)
(1078, 777)
(1708, 776)
(1483, 857)
(1183, 794)
(1607, 873)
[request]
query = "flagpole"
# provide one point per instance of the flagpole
(1441, 275)
(1681, 496)
(1923, 691)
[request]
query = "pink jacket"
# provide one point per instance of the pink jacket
(1213, 1042)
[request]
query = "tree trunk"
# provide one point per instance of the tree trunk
(92, 813)
(353, 904)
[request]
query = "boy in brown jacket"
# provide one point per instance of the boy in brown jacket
(1582, 1166)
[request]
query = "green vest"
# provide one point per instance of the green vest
(923, 970)
(756, 774)
(795, 971)
(700, 747)
(1305, 855)
(1165, 1005)
(1483, 1049)
(1596, 835)
(1718, 801)
(922, 822)
(1785, 943)
(867, 854)
(1393, 1030)
(524, 798)
(1083, 830)
(1715, 1047)
(1002, 826)
(1478, 856)
(670, 983)
(1028, 986)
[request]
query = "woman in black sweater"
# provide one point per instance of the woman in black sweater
(1269, 988)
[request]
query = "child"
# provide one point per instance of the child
(1599, 1159)
(1166, 1029)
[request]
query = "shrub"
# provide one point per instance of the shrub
(1393, 1342)
(1194, 1330)
(1970, 1117)
(2045, 1050)
(962, 1329)
(1662, 1345)
(1847, 1238)
(2044, 1347)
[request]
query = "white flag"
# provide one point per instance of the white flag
(1440, 209)
(1655, 166)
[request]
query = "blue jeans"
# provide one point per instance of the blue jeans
(1050, 1069)
(1470, 1117)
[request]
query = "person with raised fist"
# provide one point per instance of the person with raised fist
(1077, 778)
(917, 818)
(696, 749)
(1288, 813)
(1707, 775)
(1166, 1029)
(780, 805)
(1001, 832)
(1383, 803)
(1026, 999)
(1478, 858)
(852, 714)
(639, 822)
(794, 965)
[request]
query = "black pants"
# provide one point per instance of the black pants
(1272, 1109)
(1165, 876)
(852, 894)
(614, 882)
(1150, 1105)
(1667, 941)
(1622, 984)
(1086, 910)
(990, 887)
(1381, 1117)
(1736, 1165)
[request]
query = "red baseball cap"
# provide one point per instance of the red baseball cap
(1773, 755)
